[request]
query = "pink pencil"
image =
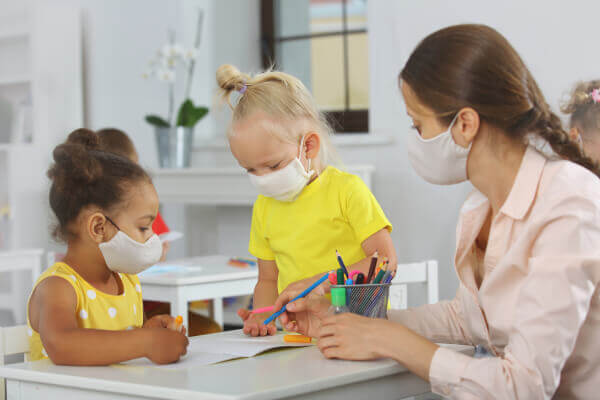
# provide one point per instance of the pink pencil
(262, 310)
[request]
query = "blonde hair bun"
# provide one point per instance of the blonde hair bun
(229, 78)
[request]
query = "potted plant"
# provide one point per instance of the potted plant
(175, 133)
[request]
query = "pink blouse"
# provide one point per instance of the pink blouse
(538, 307)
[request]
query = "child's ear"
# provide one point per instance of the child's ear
(312, 144)
(96, 227)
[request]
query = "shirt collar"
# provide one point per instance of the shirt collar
(525, 186)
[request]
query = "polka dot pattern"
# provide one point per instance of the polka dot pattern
(134, 310)
(138, 288)
(91, 294)
(73, 277)
(83, 314)
(112, 312)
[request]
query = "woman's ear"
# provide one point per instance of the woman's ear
(466, 127)
(312, 144)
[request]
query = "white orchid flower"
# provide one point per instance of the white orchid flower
(177, 50)
(171, 50)
(166, 75)
(190, 54)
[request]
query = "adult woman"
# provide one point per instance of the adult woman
(528, 237)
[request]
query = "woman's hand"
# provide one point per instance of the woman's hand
(253, 323)
(295, 288)
(304, 315)
(351, 337)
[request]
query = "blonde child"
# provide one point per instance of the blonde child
(118, 142)
(584, 108)
(87, 309)
(306, 209)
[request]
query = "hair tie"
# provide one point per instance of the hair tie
(242, 90)
(595, 95)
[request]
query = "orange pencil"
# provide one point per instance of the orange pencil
(178, 323)
(297, 339)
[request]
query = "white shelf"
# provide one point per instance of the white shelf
(15, 80)
(219, 186)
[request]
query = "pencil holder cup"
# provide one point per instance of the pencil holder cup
(369, 300)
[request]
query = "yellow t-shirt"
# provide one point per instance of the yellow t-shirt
(335, 211)
(95, 309)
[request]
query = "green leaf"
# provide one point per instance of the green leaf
(189, 115)
(157, 121)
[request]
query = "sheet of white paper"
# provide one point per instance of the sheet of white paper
(170, 236)
(191, 359)
(239, 344)
(211, 349)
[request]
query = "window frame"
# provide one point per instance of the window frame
(346, 121)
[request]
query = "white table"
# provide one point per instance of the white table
(201, 278)
(301, 373)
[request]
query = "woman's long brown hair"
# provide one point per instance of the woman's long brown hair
(475, 66)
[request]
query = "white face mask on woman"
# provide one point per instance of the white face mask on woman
(284, 184)
(123, 254)
(438, 160)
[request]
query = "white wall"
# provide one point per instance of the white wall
(555, 38)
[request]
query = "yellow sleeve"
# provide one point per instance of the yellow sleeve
(259, 244)
(362, 210)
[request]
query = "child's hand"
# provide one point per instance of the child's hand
(253, 323)
(164, 321)
(165, 250)
(165, 345)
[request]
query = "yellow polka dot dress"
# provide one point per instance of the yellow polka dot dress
(95, 309)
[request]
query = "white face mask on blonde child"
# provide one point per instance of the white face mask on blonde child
(287, 183)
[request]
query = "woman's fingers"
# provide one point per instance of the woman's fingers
(328, 341)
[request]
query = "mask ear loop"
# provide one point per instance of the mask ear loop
(300, 155)
(111, 221)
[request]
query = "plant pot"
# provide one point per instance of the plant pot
(174, 146)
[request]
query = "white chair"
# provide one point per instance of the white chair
(425, 272)
(13, 340)
(13, 262)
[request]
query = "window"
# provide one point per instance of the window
(324, 43)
